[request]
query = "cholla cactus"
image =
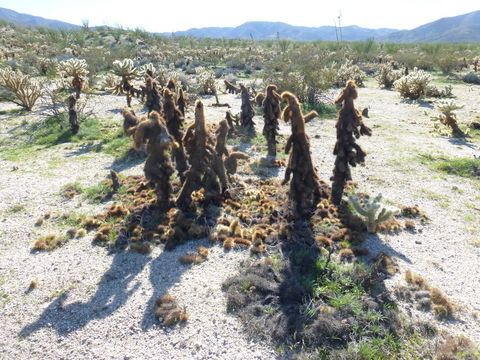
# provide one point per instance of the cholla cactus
(149, 69)
(372, 211)
(433, 91)
(387, 76)
(128, 72)
(111, 83)
(25, 90)
(77, 70)
(448, 117)
(206, 80)
(348, 71)
(125, 69)
(413, 85)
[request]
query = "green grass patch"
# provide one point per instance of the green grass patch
(469, 168)
(464, 167)
(56, 130)
(15, 111)
(325, 109)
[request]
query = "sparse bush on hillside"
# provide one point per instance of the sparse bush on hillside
(21, 88)
(413, 85)
(447, 63)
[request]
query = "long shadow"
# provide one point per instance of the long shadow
(165, 272)
(376, 245)
(461, 141)
(84, 149)
(112, 293)
(424, 104)
(130, 159)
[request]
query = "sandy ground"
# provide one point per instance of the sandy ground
(91, 304)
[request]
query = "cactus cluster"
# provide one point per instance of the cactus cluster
(387, 76)
(24, 90)
(413, 85)
(349, 71)
(372, 211)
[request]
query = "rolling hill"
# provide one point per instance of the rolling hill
(462, 28)
(264, 30)
(33, 21)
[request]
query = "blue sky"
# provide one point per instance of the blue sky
(167, 16)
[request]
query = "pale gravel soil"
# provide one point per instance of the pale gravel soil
(91, 304)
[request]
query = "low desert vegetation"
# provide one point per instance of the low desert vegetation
(310, 286)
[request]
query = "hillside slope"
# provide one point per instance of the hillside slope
(462, 28)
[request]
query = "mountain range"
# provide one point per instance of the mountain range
(263, 30)
(33, 21)
(461, 28)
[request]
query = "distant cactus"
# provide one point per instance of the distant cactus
(372, 211)
(349, 71)
(413, 85)
(25, 91)
(387, 76)
(128, 72)
(448, 118)
(149, 69)
(77, 70)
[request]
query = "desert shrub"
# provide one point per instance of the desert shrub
(292, 81)
(413, 85)
(471, 78)
(447, 63)
(387, 76)
(21, 88)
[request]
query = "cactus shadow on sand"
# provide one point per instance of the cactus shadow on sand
(114, 289)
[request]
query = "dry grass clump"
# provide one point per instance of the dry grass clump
(48, 242)
(457, 347)
(33, 285)
(442, 306)
(167, 309)
(201, 256)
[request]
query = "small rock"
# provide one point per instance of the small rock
(418, 242)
